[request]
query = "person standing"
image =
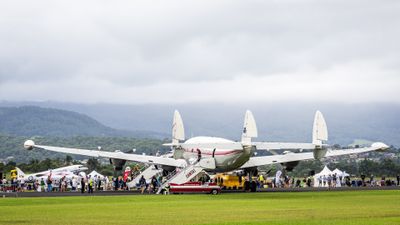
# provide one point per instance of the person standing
(74, 184)
(154, 183)
(308, 181)
(329, 181)
(37, 186)
(278, 182)
(120, 183)
(334, 180)
(4, 183)
(398, 179)
(371, 180)
(49, 184)
(261, 181)
(142, 183)
(63, 184)
(42, 184)
(115, 183)
(82, 185)
(98, 183)
(90, 185)
(106, 183)
(95, 180)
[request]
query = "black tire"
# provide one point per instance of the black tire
(214, 192)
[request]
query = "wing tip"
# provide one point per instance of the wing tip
(29, 144)
(380, 145)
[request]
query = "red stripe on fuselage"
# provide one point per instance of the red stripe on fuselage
(217, 152)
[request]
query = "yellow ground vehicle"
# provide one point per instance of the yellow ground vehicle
(226, 181)
(13, 174)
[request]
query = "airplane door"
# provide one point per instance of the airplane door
(198, 155)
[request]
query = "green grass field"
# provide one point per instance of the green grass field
(351, 207)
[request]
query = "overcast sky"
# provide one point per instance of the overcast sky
(200, 51)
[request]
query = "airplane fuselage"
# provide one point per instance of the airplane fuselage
(226, 159)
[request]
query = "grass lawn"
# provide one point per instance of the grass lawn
(350, 207)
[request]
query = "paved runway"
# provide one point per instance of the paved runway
(136, 192)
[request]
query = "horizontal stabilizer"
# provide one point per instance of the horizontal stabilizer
(282, 145)
(292, 157)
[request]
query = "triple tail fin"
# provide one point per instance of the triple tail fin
(249, 128)
(178, 131)
(320, 130)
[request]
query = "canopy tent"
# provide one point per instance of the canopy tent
(337, 171)
(95, 173)
(324, 172)
(340, 175)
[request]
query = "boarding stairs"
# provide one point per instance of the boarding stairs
(148, 173)
(183, 175)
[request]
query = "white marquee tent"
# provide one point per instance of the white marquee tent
(340, 173)
(326, 172)
(94, 172)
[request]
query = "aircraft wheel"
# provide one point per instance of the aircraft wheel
(214, 192)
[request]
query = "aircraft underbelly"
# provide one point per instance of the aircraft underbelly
(231, 162)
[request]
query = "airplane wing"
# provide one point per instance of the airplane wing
(282, 145)
(237, 145)
(233, 145)
(113, 155)
(290, 157)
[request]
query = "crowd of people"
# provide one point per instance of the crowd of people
(333, 181)
(49, 184)
(90, 183)
(87, 184)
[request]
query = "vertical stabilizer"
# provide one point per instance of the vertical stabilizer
(249, 128)
(178, 132)
(20, 174)
(320, 130)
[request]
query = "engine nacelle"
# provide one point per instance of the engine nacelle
(117, 163)
(29, 144)
(289, 166)
(320, 153)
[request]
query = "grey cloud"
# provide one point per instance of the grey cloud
(136, 43)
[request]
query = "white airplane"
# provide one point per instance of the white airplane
(213, 154)
(58, 173)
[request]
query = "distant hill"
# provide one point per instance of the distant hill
(37, 121)
(280, 121)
